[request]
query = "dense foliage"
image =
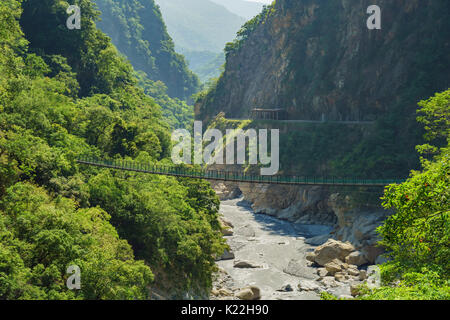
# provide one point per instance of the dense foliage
(177, 113)
(138, 31)
(40, 237)
(249, 27)
(66, 94)
(417, 235)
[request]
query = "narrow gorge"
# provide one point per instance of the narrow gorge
(349, 99)
(273, 228)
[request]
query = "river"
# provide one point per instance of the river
(277, 247)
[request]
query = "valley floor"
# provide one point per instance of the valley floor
(276, 248)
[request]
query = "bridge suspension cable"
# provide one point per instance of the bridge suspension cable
(178, 171)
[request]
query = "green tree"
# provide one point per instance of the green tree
(67, 95)
(417, 235)
(41, 237)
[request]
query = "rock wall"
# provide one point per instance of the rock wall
(315, 57)
(351, 221)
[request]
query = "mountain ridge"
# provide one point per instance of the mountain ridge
(245, 9)
(137, 29)
(318, 60)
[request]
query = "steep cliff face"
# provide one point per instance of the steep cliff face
(316, 57)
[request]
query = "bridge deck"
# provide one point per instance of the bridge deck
(234, 176)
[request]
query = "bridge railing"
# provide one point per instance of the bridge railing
(232, 176)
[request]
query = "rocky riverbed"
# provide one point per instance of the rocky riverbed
(274, 259)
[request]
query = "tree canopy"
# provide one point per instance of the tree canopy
(66, 94)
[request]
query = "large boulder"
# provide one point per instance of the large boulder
(311, 256)
(227, 255)
(356, 258)
(298, 268)
(353, 272)
(226, 227)
(371, 252)
(334, 266)
(332, 249)
(245, 294)
(249, 293)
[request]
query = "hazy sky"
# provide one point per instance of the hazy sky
(262, 1)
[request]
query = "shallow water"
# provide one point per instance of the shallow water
(272, 244)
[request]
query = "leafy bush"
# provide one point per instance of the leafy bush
(67, 95)
(41, 237)
(417, 235)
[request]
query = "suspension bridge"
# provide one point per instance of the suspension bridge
(178, 171)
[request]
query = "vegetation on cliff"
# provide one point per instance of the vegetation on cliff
(65, 94)
(139, 32)
(331, 65)
(417, 235)
(200, 30)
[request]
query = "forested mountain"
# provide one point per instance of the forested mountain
(318, 60)
(200, 30)
(139, 32)
(199, 25)
(206, 64)
(243, 8)
(65, 94)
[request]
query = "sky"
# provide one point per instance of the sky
(262, 1)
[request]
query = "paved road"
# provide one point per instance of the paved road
(308, 121)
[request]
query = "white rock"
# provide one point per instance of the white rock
(226, 227)
(322, 272)
(353, 272)
(329, 282)
(225, 293)
(308, 285)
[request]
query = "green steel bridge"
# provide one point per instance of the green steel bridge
(233, 176)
